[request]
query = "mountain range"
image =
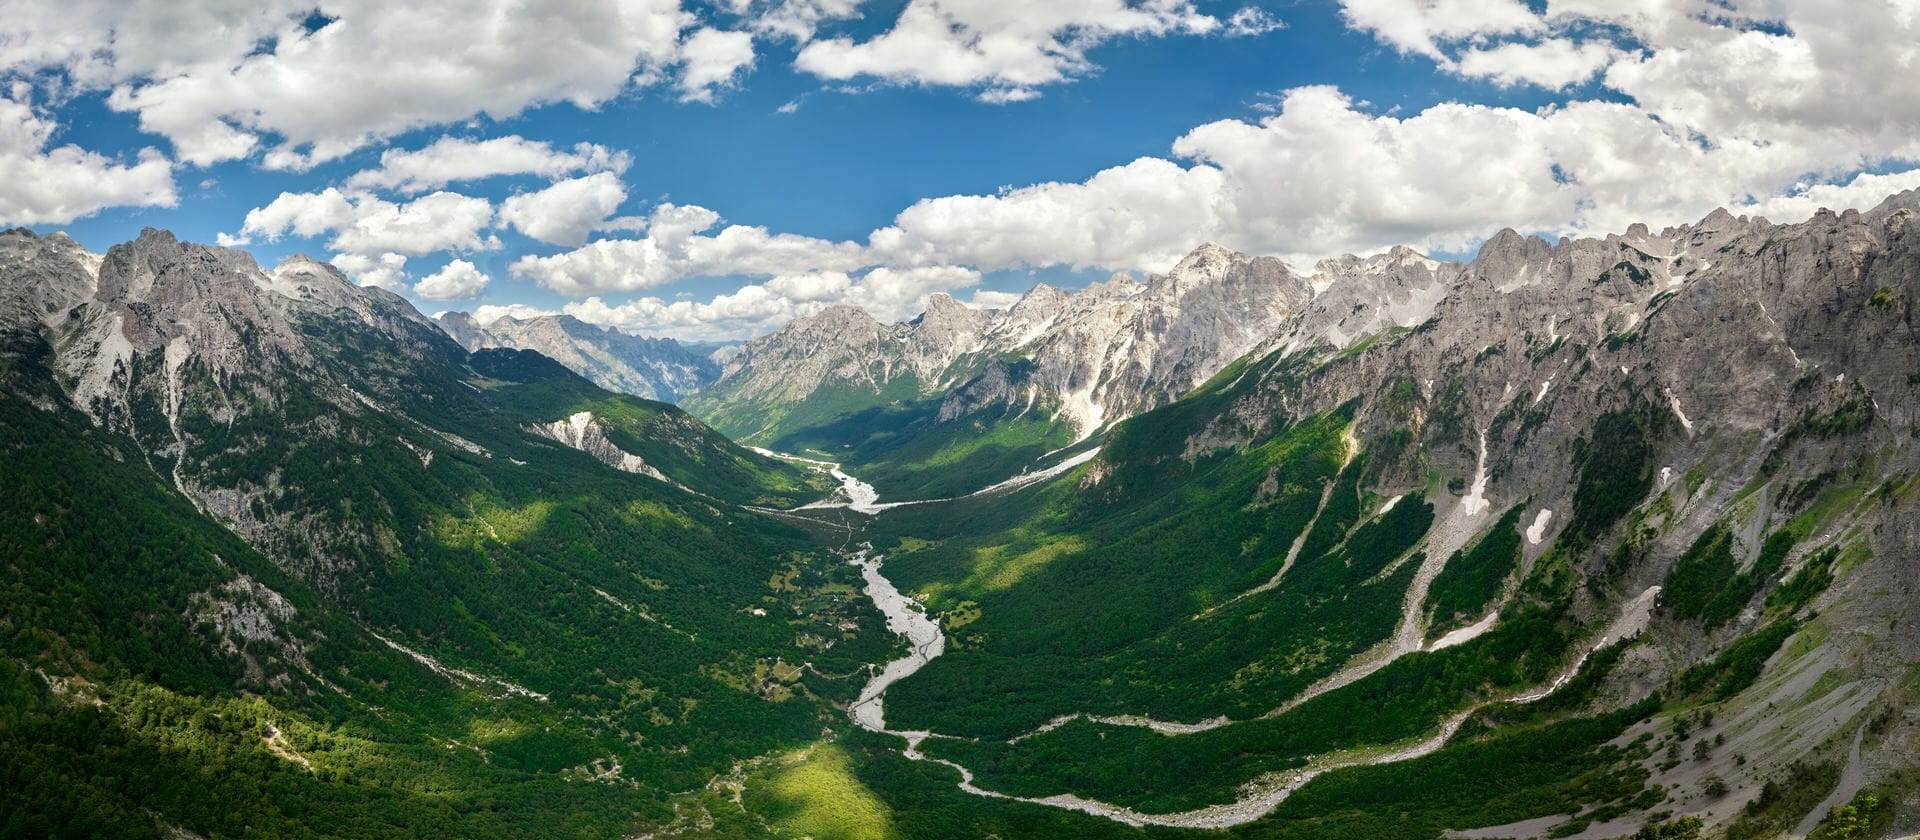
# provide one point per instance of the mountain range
(1600, 537)
(653, 368)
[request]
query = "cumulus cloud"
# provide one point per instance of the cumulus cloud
(1322, 175)
(749, 311)
(1251, 21)
(1825, 71)
(451, 160)
(1554, 63)
(713, 59)
(1144, 215)
(489, 313)
(1864, 192)
(363, 224)
(564, 213)
(793, 19)
(888, 294)
(101, 43)
(895, 294)
(1007, 50)
(1420, 26)
(58, 185)
(458, 280)
(676, 247)
(224, 79)
(386, 271)
(987, 299)
(811, 286)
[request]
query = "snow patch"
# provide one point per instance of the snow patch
(1538, 530)
(1673, 402)
(1476, 501)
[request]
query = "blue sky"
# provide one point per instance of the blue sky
(747, 161)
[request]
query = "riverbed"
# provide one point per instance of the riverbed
(908, 618)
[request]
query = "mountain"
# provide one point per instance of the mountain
(280, 557)
(1602, 537)
(959, 398)
(1614, 537)
(654, 368)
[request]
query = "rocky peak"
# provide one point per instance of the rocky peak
(837, 329)
(1209, 263)
(1040, 299)
(58, 275)
(301, 277)
(467, 330)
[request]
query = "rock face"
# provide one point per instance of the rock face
(582, 431)
(654, 368)
(1092, 357)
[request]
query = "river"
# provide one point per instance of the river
(908, 618)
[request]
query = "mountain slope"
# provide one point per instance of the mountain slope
(285, 529)
(1695, 441)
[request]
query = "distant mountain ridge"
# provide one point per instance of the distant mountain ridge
(1102, 353)
(655, 368)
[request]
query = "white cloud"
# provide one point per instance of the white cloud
(793, 19)
(751, 310)
(226, 78)
(896, 294)
(886, 293)
(363, 224)
(488, 313)
(450, 160)
(1143, 215)
(1554, 63)
(1864, 192)
(458, 280)
(105, 42)
(386, 271)
(1322, 176)
(301, 214)
(1839, 75)
(58, 185)
(1008, 50)
(987, 299)
(1419, 26)
(564, 213)
(713, 59)
(676, 247)
(1251, 21)
(811, 286)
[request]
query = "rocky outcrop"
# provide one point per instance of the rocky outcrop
(588, 434)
